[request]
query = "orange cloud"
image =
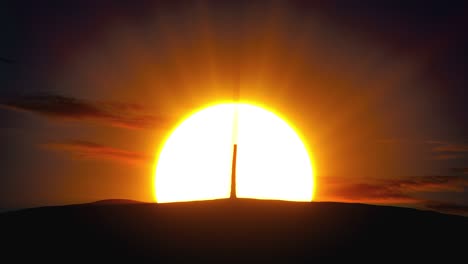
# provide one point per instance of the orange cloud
(88, 150)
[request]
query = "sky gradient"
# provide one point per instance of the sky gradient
(88, 92)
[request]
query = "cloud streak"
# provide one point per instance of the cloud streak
(446, 157)
(81, 149)
(460, 170)
(5, 60)
(457, 148)
(449, 151)
(401, 190)
(61, 108)
(441, 150)
(451, 208)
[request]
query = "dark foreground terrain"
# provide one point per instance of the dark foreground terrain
(228, 231)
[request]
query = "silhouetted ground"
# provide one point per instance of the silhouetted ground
(228, 231)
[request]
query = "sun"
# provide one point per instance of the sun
(195, 162)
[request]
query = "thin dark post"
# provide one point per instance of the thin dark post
(236, 96)
(233, 174)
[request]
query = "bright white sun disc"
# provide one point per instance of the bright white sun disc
(196, 160)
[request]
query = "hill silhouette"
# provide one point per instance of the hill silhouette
(116, 201)
(229, 231)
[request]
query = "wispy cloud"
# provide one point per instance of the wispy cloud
(89, 150)
(452, 208)
(448, 151)
(5, 60)
(460, 170)
(360, 190)
(451, 148)
(430, 184)
(441, 150)
(371, 193)
(446, 157)
(62, 108)
(436, 142)
(401, 190)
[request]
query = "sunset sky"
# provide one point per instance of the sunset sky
(378, 89)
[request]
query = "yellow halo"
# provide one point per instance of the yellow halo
(195, 161)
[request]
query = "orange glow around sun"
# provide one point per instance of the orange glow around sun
(195, 161)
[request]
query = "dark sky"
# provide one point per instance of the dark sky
(89, 89)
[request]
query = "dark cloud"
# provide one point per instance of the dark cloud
(372, 193)
(398, 191)
(89, 150)
(446, 157)
(54, 106)
(451, 148)
(448, 151)
(435, 142)
(401, 190)
(360, 190)
(460, 170)
(5, 60)
(445, 207)
(430, 184)
(441, 150)
(63, 108)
